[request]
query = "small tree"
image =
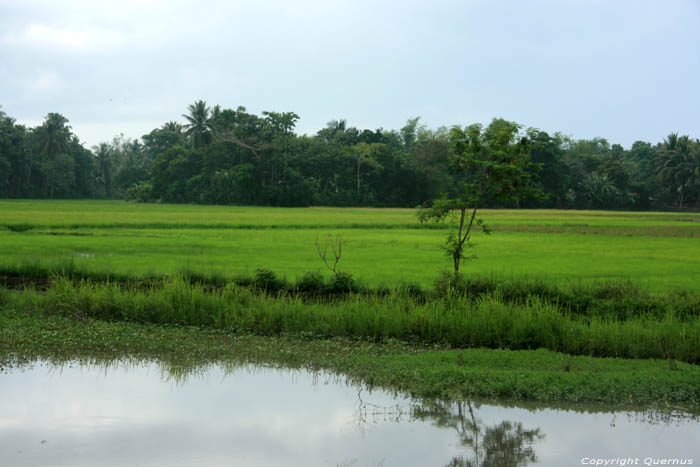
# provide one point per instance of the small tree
(489, 165)
(336, 245)
(342, 281)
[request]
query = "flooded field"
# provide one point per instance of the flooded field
(141, 414)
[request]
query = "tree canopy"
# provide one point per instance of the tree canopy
(221, 155)
(489, 165)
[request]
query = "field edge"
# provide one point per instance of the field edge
(423, 372)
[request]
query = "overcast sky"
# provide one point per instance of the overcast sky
(623, 70)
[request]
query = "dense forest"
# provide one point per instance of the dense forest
(227, 156)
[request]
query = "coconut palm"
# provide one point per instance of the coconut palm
(52, 139)
(678, 164)
(200, 125)
(172, 126)
(53, 135)
(104, 167)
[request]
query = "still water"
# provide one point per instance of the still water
(141, 414)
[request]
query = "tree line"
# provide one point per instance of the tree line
(231, 156)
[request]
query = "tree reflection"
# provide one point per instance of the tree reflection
(506, 444)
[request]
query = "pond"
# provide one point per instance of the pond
(146, 414)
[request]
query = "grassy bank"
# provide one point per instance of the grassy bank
(425, 372)
(606, 299)
(457, 321)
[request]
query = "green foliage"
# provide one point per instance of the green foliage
(460, 322)
(243, 158)
(170, 174)
(489, 165)
(104, 166)
(311, 283)
(140, 191)
(342, 283)
(266, 280)
(525, 375)
(59, 175)
(679, 164)
(199, 125)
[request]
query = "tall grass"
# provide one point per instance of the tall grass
(613, 299)
(459, 321)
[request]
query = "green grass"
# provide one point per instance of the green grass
(582, 283)
(384, 247)
(423, 372)
(462, 322)
(109, 214)
(374, 256)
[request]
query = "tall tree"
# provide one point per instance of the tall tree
(104, 167)
(163, 138)
(428, 161)
(54, 135)
(679, 164)
(199, 127)
(552, 174)
(12, 140)
(59, 173)
(366, 155)
(410, 132)
(53, 138)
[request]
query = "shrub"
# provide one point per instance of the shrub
(312, 283)
(267, 280)
(341, 283)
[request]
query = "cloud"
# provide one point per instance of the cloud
(42, 36)
(583, 68)
(47, 81)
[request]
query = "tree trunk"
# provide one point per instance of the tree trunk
(457, 254)
(462, 238)
(29, 175)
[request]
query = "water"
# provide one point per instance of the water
(143, 415)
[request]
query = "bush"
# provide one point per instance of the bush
(312, 283)
(267, 280)
(413, 291)
(342, 282)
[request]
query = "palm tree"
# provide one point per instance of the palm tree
(200, 124)
(172, 126)
(104, 162)
(53, 138)
(54, 135)
(600, 191)
(678, 164)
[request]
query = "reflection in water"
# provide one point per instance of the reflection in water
(131, 412)
(506, 444)
(367, 414)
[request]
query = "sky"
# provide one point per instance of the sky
(622, 70)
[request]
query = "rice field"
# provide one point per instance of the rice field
(659, 252)
(382, 247)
